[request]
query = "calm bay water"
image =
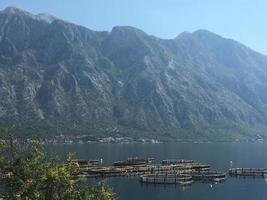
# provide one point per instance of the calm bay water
(217, 154)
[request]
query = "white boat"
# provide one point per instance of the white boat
(218, 179)
(186, 182)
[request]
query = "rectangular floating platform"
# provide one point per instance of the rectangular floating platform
(248, 172)
(86, 163)
(183, 178)
(208, 176)
(174, 161)
(166, 179)
(139, 170)
(135, 161)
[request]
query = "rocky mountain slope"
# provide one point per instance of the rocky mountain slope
(60, 78)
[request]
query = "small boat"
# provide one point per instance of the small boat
(218, 180)
(186, 182)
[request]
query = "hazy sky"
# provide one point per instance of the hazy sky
(242, 20)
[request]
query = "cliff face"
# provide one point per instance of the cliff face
(57, 77)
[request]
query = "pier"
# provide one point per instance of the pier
(261, 172)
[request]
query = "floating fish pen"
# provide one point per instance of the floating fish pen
(169, 170)
(171, 173)
(110, 170)
(133, 162)
(138, 166)
(166, 168)
(199, 166)
(132, 170)
(179, 167)
(174, 161)
(208, 176)
(86, 163)
(113, 171)
(248, 172)
(166, 179)
(213, 176)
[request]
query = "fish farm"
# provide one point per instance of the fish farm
(172, 171)
(183, 172)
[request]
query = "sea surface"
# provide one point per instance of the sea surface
(218, 155)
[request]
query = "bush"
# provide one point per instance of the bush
(30, 174)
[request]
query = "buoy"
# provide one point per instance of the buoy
(231, 164)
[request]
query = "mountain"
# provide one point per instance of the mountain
(60, 78)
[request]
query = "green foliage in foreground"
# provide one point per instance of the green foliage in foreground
(31, 174)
